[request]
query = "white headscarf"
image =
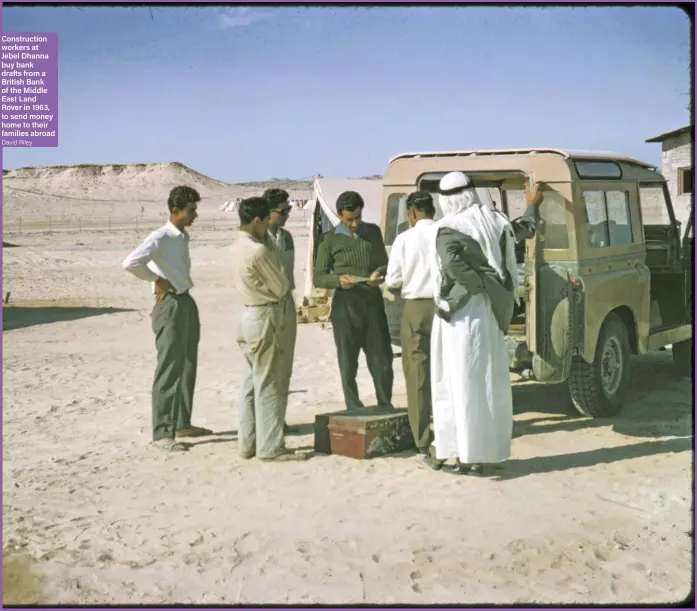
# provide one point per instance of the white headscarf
(465, 212)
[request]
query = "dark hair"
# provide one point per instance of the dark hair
(253, 208)
(180, 197)
(421, 201)
(276, 196)
(349, 201)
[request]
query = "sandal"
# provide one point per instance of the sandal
(475, 469)
(169, 445)
(431, 460)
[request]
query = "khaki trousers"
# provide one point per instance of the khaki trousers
(262, 397)
(417, 321)
(286, 341)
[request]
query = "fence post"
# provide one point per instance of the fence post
(79, 223)
(50, 226)
(20, 225)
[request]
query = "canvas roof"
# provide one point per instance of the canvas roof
(327, 190)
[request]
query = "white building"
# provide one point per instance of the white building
(677, 167)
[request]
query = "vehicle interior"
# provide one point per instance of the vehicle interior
(668, 258)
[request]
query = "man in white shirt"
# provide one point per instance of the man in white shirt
(409, 270)
(163, 259)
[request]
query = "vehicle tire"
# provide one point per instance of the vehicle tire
(600, 388)
(683, 353)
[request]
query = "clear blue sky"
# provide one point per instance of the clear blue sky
(253, 93)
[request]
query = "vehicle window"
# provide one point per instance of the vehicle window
(598, 169)
(515, 198)
(554, 229)
(609, 221)
(619, 222)
(392, 223)
(597, 219)
(654, 209)
(552, 212)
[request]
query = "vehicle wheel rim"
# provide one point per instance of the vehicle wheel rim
(611, 366)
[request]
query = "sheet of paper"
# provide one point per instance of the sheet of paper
(359, 279)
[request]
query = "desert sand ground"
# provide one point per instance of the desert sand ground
(586, 511)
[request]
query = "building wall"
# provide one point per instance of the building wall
(677, 153)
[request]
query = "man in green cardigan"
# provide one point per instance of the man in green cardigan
(352, 261)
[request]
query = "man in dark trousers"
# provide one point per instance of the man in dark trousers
(163, 259)
(352, 261)
(409, 273)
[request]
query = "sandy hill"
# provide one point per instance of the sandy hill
(88, 192)
(138, 182)
(133, 182)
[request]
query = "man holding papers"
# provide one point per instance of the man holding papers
(352, 261)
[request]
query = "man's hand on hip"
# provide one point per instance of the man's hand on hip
(162, 288)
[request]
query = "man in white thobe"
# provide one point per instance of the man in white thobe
(475, 279)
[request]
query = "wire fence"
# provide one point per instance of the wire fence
(222, 221)
(110, 224)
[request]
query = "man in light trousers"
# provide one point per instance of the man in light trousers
(282, 240)
(258, 278)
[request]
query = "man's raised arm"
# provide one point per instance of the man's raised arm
(525, 227)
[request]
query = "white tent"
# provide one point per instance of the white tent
(230, 206)
(321, 213)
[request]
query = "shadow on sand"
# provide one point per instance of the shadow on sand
(658, 410)
(20, 586)
(514, 469)
(20, 317)
(659, 404)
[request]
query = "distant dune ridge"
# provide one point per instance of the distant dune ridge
(91, 191)
(117, 182)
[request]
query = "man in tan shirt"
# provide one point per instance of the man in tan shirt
(258, 277)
